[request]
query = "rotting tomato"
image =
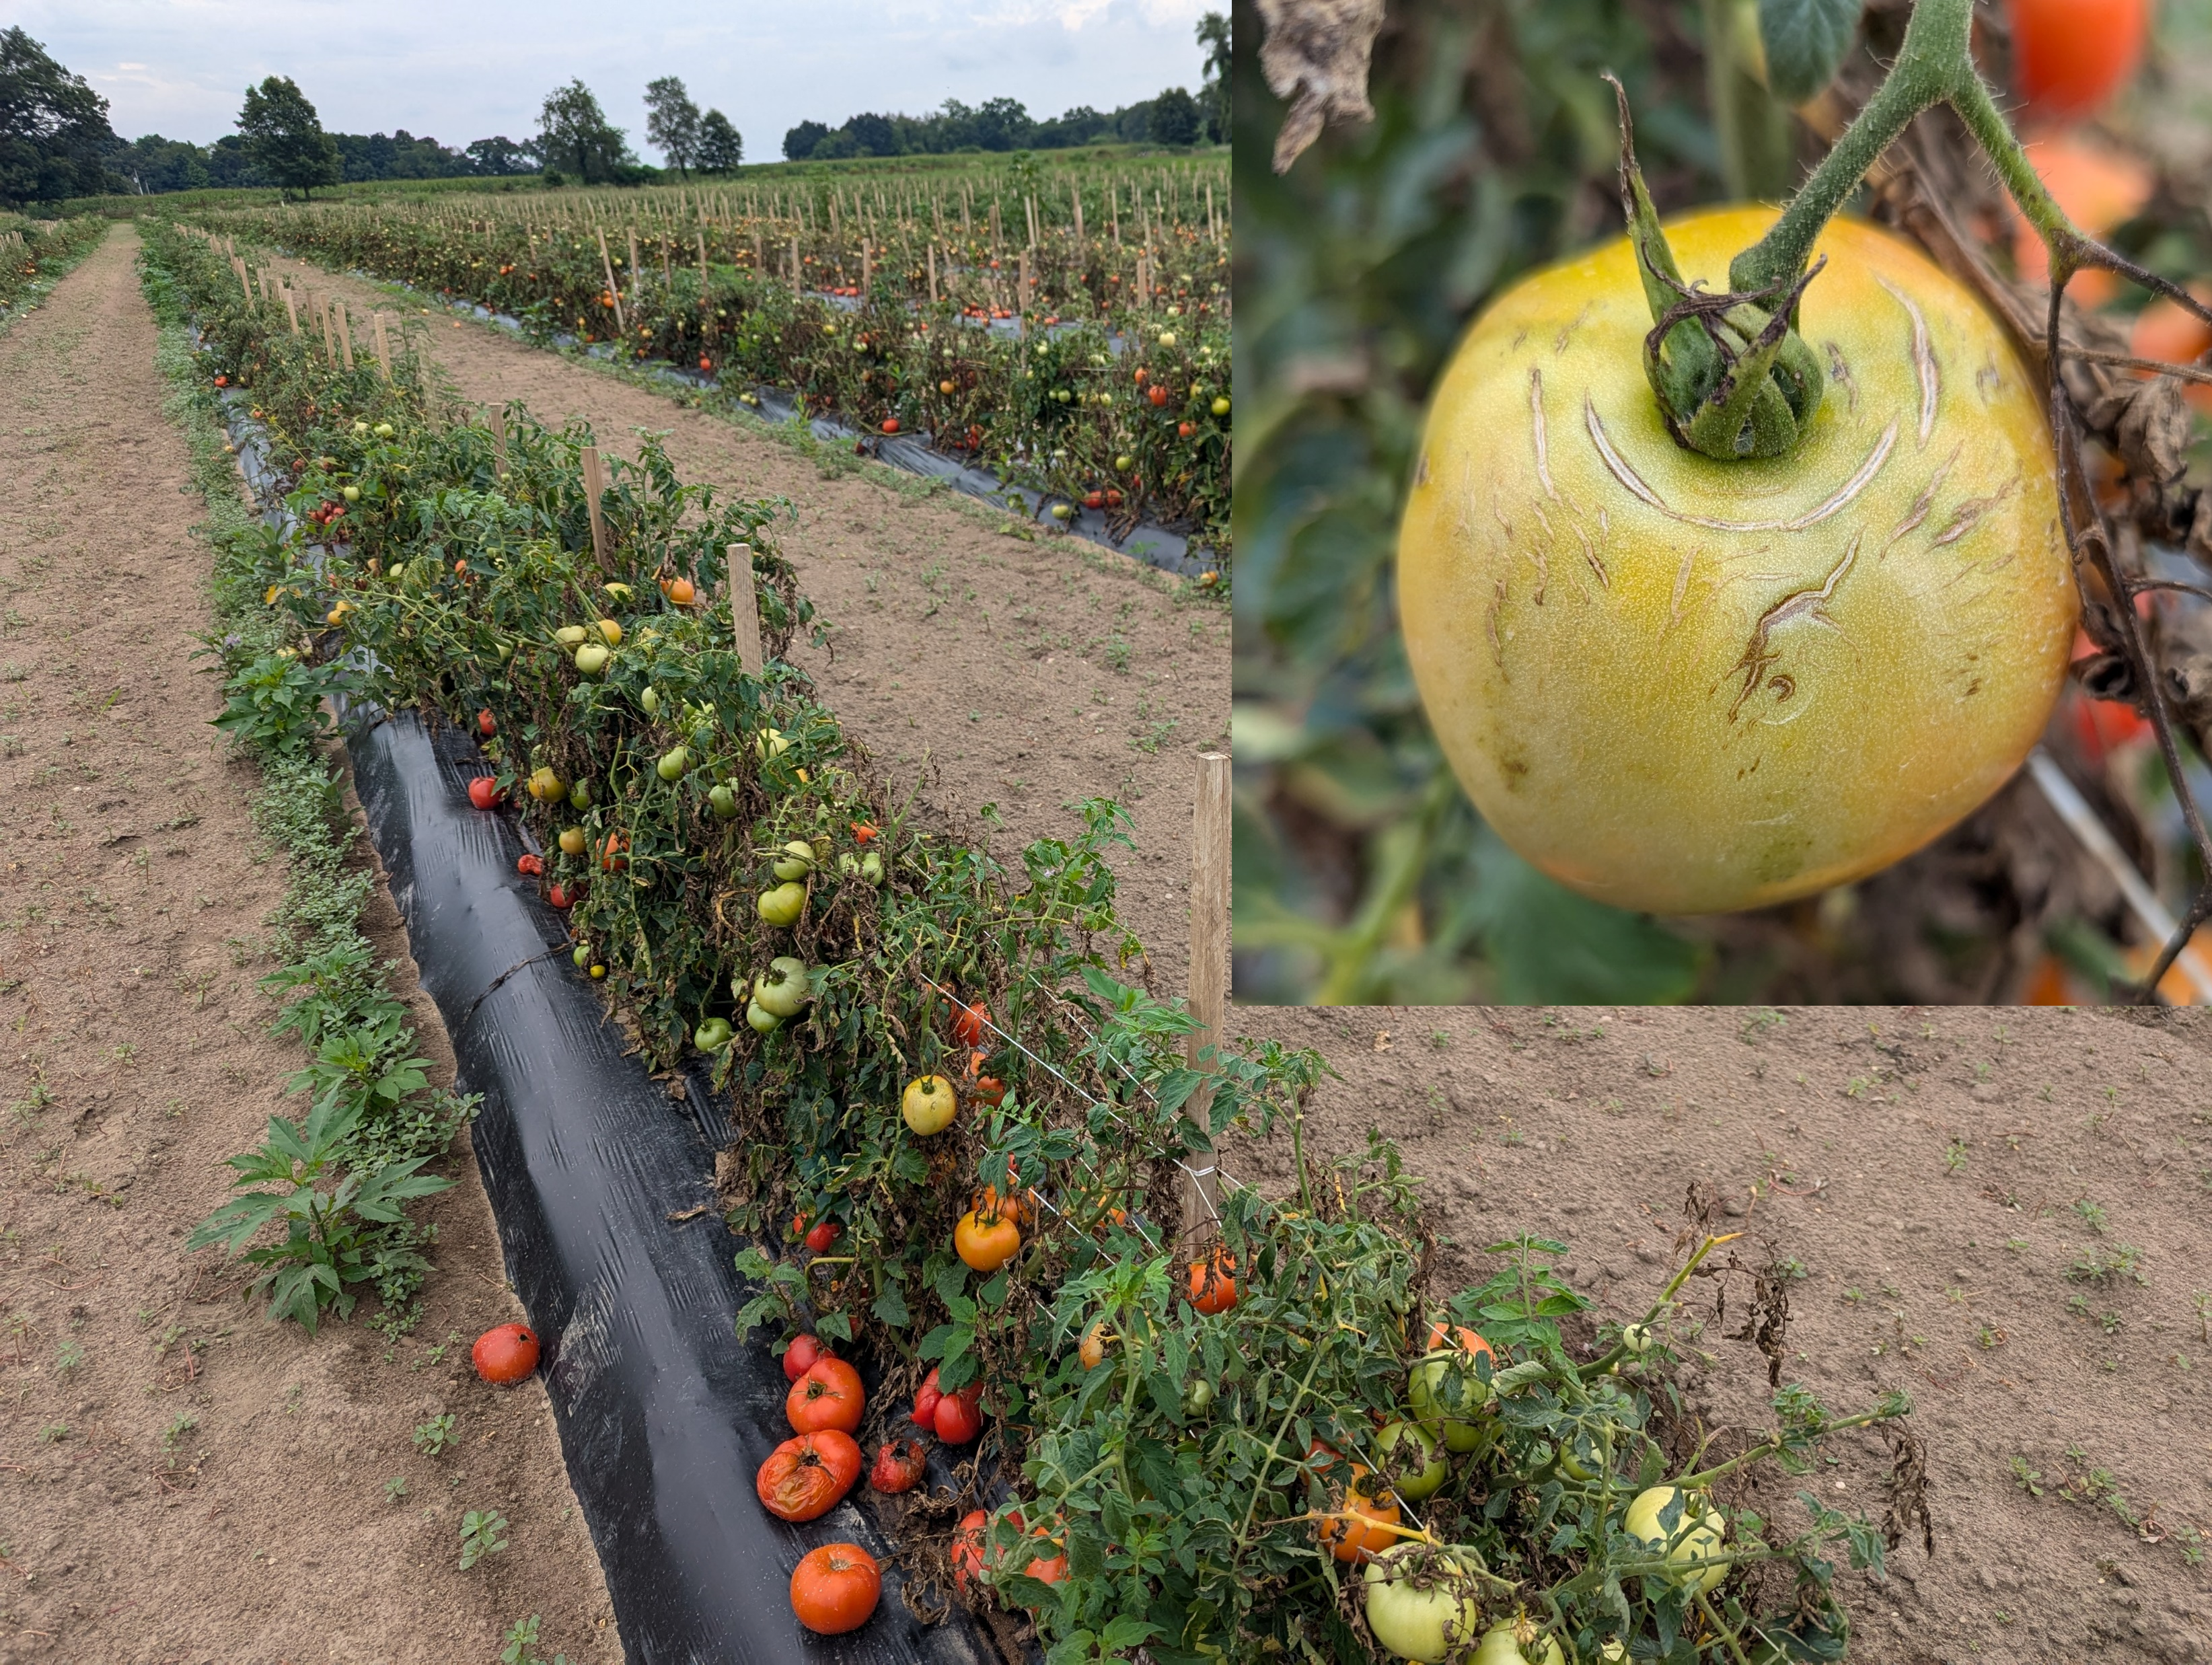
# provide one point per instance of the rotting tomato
(529, 866)
(899, 1466)
(968, 1022)
(1689, 686)
(563, 896)
(505, 1353)
(1421, 1604)
(804, 1477)
(827, 1396)
(1361, 1529)
(487, 725)
(483, 792)
(2068, 57)
(801, 1355)
(1213, 1290)
(967, 1551)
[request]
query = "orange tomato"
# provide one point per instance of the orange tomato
(1361, 1531)
(2168, 330)
(1212, 1289)
(835, 1588)
(986, 1244)
(2069, 55)
(2098, 188)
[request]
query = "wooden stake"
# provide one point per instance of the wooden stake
(345, 334)
(1209, 976)
(932, 273)
(291, 312)
(607, 266)
(499, 440)
(595, 486)
(382, 346)
(744, 609)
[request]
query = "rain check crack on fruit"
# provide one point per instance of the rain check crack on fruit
(1687, 684)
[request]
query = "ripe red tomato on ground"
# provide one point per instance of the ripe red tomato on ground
(799, 1358)
(2068, 57)
(529, 866)
(899, 1466)
(890, 424)
(958, 1418)
(563, 896)
(835, 1588)
(827, 1396)
(487, 725)
(505, 1353)
(483, 792)
(804, 1477)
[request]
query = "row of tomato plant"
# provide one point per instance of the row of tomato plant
(961, 1115)
(41, 251)
(1105, 403)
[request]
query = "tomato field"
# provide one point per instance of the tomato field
(1631, 708)
(1066, 326)
(1165, 1432)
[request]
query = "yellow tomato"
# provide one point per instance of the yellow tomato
(1695, 1540)
(1690, 686)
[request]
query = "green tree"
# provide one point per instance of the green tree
(1214, 35)
(672, 122)
(285, 137)
(721, 146)
(1174, 118)
(54, 134)
(575, 135)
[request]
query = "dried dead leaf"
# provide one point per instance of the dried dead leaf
(1316, 55)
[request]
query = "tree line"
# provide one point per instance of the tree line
(56, 141)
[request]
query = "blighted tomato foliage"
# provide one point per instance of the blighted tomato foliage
(1057, 409)
(1227, 1454)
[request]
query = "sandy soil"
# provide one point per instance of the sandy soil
(1033, 674)
(183, 1481)
(1935, 1175)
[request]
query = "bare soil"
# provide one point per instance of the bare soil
(1937, 1182)
(183, 1481)
(1032, 672)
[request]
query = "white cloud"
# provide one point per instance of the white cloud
(180, 67)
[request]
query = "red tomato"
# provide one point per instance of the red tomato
(1113, 498)
(1183, 429)
(2068, 57)
(823, 1236)
(966, 1554)
(890, 424)
(803, 1478)
(611, 855)
(989, 1090)
(1159, 395)
(505, 1353)
(706, 363)
(967, 1023)
(801, 1355)
(1094, 500)
(899, 1466)
(483, 792)
(834, 1588)
(958, 1418)
(529, 866)
(925, 1402)
(486, 724)
(862, 832)
(827, 1396)
(223, 381)
(563, 896)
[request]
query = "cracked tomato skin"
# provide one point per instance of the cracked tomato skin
(1687, 686)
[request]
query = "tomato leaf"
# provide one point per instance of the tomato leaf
(835, 1325)
(1805, 42)
(890, 1307)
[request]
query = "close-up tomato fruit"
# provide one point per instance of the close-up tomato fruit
(986, 1244)
(1685, 685)
(801, 1355)
(827, 1396)
(958, 1417)
(899, 1466)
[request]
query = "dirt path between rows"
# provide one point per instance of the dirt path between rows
(1941, 1186)
(1035, 674)
(182, 1480)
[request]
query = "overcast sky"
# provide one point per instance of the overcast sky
(463, 70)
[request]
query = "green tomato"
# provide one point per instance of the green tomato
(1221, 405)
(384, 430)
(796, 861)
(1578, 1457)
(582, 957)
(723, 800)
(872, 868)
(592, 659)
(673, 764)
(784, 904)
(579, 796)
(1429, 1464)
(570, 635)
(1638, 1339)
(1696, 1538)
(712, 1035)
(1428, 1616)
(1198, 1397)
(760, 1018)
(784, 987)
(1445, 1382)
(352, 494)
(1499, 1648)
(651, 700)
(1124, 463)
